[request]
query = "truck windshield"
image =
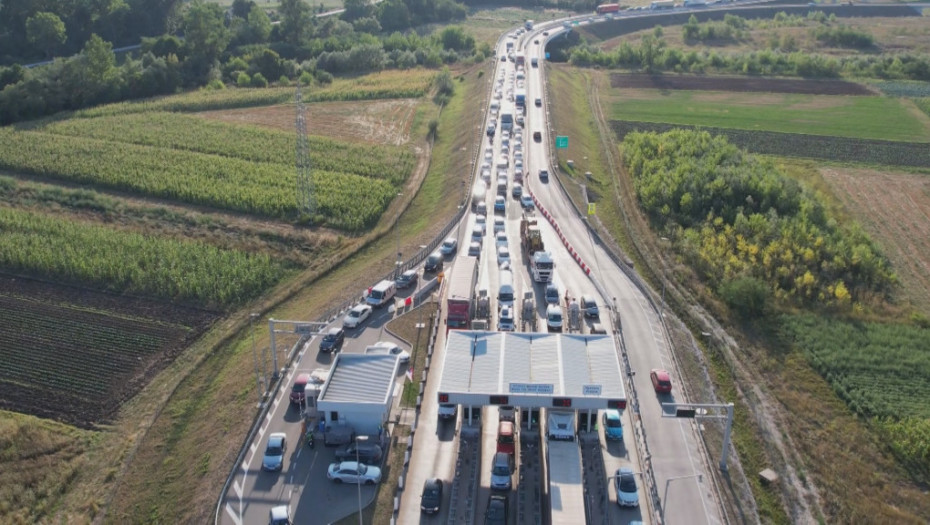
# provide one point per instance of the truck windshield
(375, 294)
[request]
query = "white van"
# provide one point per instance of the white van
(505, 293)
(381, 293)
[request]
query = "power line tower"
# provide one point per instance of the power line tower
(306, 195)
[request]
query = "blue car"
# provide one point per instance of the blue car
(613, 427)
(500, 205)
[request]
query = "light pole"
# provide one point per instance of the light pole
(258, 381)
(699, 476)
(397, 236)
(359, 439)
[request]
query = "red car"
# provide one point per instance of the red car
(661, 381)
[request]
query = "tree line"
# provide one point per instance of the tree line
(210, 45)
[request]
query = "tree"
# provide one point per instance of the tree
(46, 31)
(393, 15)
(295, 21)
(455, 38)
(242, 8)
(257, 27)
(206, 36)
(356, 9)
(748, 297)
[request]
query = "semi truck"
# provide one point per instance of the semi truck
(528, 25)
(607, 8)
(563, 469)
(461, 293)
(482, 319)
(662, 4)
(541, 263)
(479, 194)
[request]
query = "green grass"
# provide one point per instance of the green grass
(856, 117)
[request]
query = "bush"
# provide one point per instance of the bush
(747, 297)
(259, 81)
(243, 80)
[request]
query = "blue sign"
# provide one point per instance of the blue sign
(530, 388)
(547, 55)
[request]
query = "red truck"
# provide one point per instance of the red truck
(460, 296)
(607, 8)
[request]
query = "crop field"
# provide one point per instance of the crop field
(386, 84)
(346, 201)
(368, 121)
(188, 272)
(895, 209)
(741, 84)
(177, 131)
(838, 149)
(75, 355)
(860, 117)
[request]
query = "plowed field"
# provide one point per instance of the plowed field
(895, 209)
(745, 84)
(76, 355)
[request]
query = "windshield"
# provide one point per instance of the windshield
(555, 317)
(329, 338)
(614, 423)
(627, 483)
(354, 313)
(375, 294)
(501, 470)
(505, 297)
(273, 449)
(299, 387)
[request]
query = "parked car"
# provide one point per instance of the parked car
(433, 262)
(613, 426)
(368, 453)
(625, 481)
(661, 381)
(449, 246)
(356, 316)
(408, 279)
(333, 340)
(274, 452)
(388, 347)
(431, 499)
(352, 472)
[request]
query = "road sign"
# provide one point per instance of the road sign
(591, 208)
(547, 55)
(561, 142)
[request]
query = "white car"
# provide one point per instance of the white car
(449, 246)
(352, 472)
(505, 324)
(625, 482)
(499, 224)
(356, 316)
(388, 347)
(482, 221)
(503, 255)
(500, 238)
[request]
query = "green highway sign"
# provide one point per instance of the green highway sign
(561, 142)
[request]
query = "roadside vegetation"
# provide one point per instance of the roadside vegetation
(842, 377)
(781, 56)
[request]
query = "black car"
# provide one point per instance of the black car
(497, 511)
(431, 499)
(407, 279)
(543, 175)
(368, 453)
(332, 341)
(537, 136)
(433, 262)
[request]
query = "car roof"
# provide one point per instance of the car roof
(410, 273)
(661, 375)
(612, 413)
(433, 484)
(360, 307)
(277, 436)
(335, 331)
(302, 378)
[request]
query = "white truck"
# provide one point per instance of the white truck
(528, 25)
(563, 469)
(478, 194)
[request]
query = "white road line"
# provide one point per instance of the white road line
(232, 514)
(694, 467)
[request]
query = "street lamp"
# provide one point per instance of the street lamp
(359, 439)
(699, 476)
(258, 381)
(397, 235)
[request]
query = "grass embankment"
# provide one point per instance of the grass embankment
(841, 116)
(185, 457)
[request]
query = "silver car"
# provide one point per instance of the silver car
(352, 472)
